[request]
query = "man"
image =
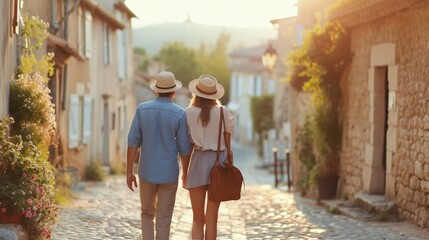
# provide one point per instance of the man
(159, 130)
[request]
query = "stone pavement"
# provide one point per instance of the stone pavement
(108, 210)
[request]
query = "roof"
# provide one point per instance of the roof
(95, 7)
(256, 51)
(247, 59)
(63, 45)
(121, 6)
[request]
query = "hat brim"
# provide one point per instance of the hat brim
(162, 90)
(220, 91)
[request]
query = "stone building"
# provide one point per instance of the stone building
(92, 86)
(385, 149)
(9, 30)
(248, 78)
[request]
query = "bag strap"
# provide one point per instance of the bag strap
(219, 135)
(227, 142)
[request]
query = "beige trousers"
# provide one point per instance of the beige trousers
(157, 201)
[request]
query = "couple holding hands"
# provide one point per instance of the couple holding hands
(162, 130)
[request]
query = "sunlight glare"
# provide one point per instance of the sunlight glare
(237, 13)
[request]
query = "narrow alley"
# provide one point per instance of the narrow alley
(108, 210)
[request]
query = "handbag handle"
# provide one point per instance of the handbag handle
(218, 138)
(222, 120)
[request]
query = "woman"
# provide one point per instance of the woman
(203, 116)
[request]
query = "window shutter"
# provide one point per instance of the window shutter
(106, 44)
(121, 55)
(258, 89)
(251, 86)
(74, 121)
(88, 33)
(87, 113)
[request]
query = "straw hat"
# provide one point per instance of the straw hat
(165, 82)
(206, 86)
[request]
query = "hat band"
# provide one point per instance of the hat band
(205, 92)
(166, 87)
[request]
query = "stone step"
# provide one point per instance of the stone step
(365, 208)
(375, 203)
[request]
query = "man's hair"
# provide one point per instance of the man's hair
(167, 94)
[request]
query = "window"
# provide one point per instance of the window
(272, 86)
(255, 85)
(106, 44)
(74, 121)
(258, 85)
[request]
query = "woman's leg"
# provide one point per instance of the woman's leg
(211, 219)
(198, 198)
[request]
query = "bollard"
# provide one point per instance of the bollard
(276, 181)
(288, 168)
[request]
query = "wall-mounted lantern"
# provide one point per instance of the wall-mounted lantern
(269, 58)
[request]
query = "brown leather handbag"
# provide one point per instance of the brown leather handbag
(225, 181)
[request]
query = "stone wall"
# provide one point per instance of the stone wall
(410, 162)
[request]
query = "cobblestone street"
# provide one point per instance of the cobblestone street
(108, 210)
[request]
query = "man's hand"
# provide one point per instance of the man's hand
(132, 154)
(131, 178)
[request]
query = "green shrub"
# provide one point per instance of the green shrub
(94, 171)
(118, 168)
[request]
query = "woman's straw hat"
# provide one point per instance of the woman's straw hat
(206, 86)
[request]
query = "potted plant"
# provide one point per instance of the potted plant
(27, 184)
(317, 69)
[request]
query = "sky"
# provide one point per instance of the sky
(232, 13)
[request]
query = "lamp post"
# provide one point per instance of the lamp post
(269, 58)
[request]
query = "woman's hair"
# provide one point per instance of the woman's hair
(205, 105)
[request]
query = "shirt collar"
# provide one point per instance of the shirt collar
(164, 99)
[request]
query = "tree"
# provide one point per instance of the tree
(215, 62)
(180, 60)
(261, 109)
(143, 60)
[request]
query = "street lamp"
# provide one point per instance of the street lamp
(269, 58)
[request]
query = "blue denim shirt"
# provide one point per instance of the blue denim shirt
(159, 128)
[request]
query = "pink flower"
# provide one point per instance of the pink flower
(29, 201)
(33, 176)
(3, 210)
(40, 205)
(28, 214)
(34, 207)
(47, 233)
(34, 214)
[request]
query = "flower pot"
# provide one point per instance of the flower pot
(327, 186)
(10, 218)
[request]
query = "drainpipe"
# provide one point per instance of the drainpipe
(64, 93)
(55, 26)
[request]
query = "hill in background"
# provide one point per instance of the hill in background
(153, 37)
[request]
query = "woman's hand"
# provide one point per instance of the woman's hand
(183, 180)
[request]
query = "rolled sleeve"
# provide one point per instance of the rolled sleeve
(182, 138)
(134, 135)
